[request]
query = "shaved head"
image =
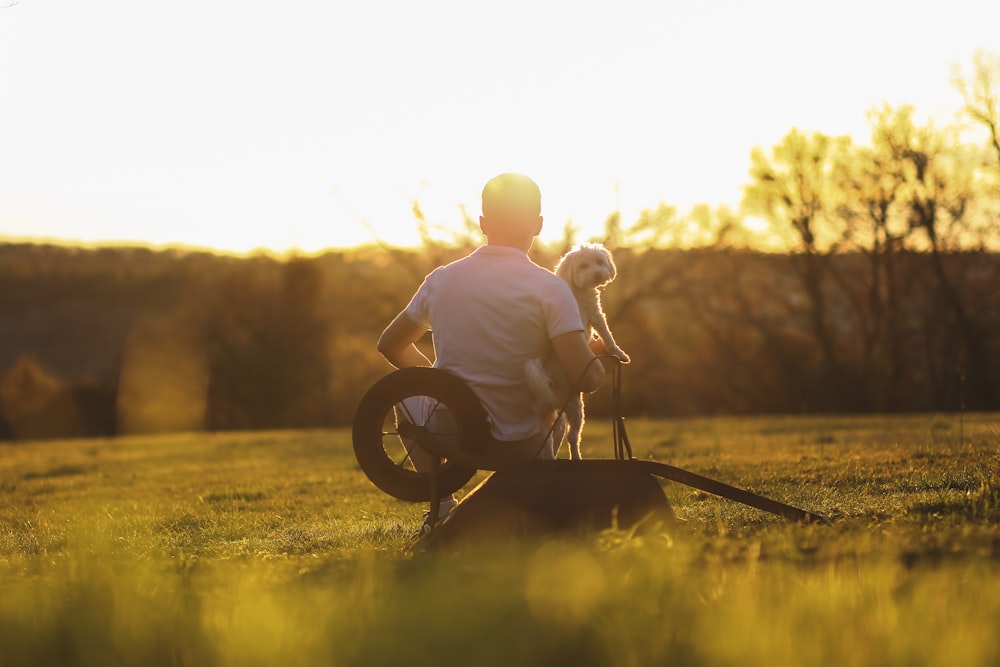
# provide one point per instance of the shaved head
(511, 195)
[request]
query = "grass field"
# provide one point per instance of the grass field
(273, 549)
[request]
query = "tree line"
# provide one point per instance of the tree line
(262, 343)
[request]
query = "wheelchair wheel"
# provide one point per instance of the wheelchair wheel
(441, 407)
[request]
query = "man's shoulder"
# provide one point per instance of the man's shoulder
(542, 278)
(517, 265)
(452, 266)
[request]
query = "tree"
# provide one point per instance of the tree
(937, 193)
(36, 404)
(981, 94)
(797, 191)
(875, 216)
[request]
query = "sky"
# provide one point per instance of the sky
(309, 125)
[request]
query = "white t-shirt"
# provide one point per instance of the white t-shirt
(490, 312)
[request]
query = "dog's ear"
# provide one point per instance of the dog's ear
(613, 270)
(564, 267)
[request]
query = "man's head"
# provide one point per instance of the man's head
(511, 193)
(512, 205)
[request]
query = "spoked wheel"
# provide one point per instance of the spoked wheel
(406, 424)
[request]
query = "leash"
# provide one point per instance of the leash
(560, 413)
(621, 441)
(618, 432)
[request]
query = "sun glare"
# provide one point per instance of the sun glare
(326, 137)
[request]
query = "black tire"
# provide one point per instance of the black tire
(380, 450)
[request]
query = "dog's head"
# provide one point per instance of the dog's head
(588, 265)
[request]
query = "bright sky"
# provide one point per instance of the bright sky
(241, 125)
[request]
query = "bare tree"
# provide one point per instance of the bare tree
(877, 225)
(796, 189)
(937, 193)
(981, 93)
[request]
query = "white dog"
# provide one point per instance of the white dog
(587, 268)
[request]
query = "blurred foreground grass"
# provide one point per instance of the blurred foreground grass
(272, 548)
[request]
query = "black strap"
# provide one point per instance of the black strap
(623, 448)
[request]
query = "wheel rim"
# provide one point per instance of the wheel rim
(403, 405)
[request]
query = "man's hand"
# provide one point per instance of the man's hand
(579, 361)
(598, 347)
(608, 358)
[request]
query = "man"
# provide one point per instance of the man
(492, 311)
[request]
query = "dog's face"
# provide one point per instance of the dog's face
(587, 266)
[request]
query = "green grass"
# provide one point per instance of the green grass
(273, 549)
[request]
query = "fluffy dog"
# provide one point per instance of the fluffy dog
(586, 268)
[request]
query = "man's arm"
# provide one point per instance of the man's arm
(396, 343)
(580, 362)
